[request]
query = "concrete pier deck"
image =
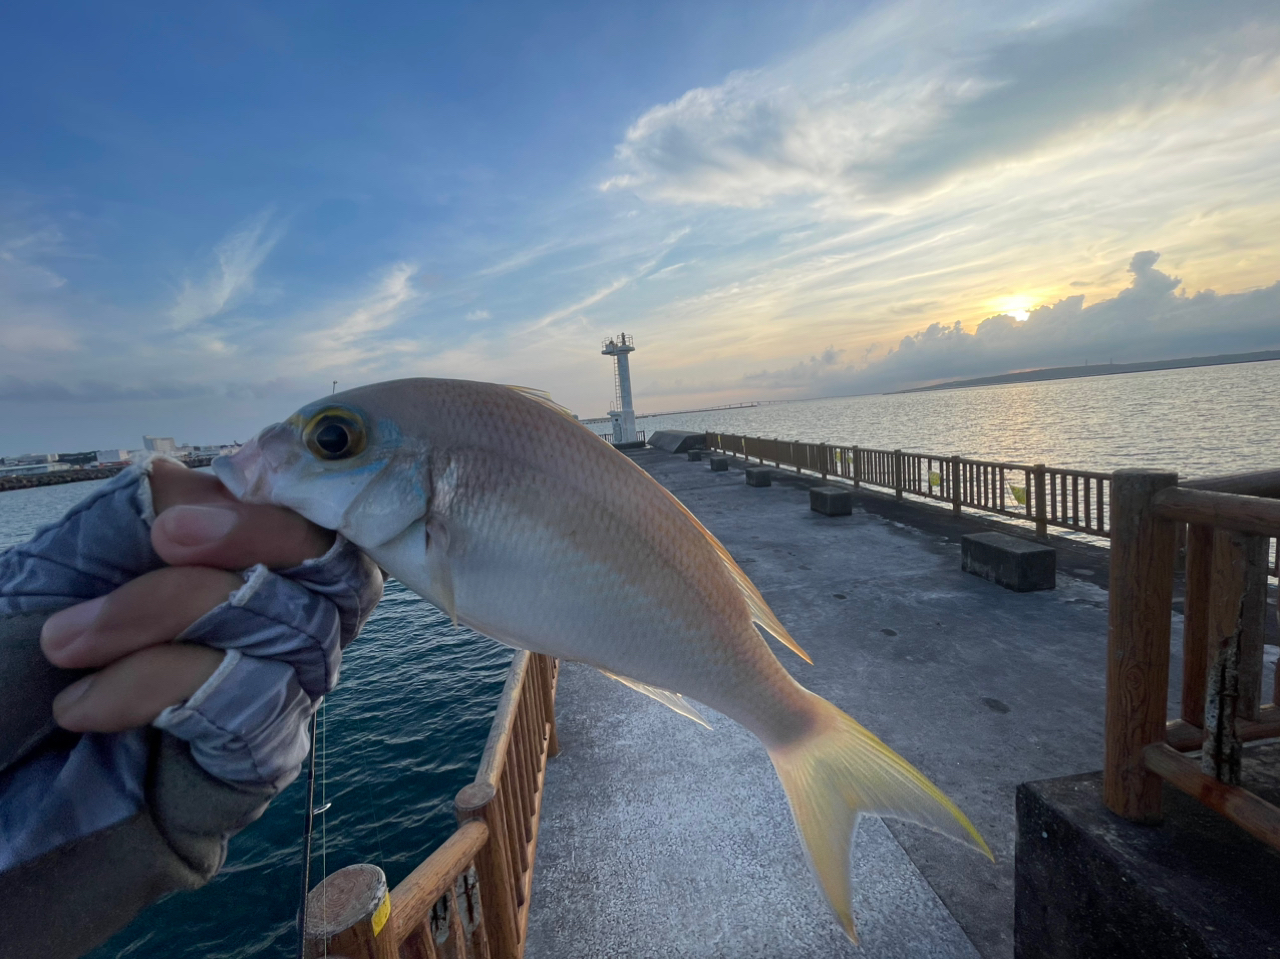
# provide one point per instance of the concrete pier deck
(662, 838)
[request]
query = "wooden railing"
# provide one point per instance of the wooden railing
(469, 898)
(1046, 496)
(1230, 522)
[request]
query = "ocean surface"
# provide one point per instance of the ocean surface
(406, 726)
(1200, 422)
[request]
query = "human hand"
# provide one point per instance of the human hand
(127, 635)
(232, 662)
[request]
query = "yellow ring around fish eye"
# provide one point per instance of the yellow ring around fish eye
(335, 434)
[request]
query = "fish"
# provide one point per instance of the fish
(494, 504)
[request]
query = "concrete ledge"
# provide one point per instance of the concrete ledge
(677, 441)
(719, 464)
(831, 500)
(759, 476)
(1008, 561)
(1090, 885)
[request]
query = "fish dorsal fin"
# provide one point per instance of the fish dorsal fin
(669, 699)
(543, 397)
(760, 611)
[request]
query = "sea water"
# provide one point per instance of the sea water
(405, 728)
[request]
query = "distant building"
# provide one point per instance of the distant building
(32, 468)
(31, 459)
(159, 444)
(111, 457)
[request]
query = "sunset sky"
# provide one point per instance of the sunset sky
(208, 214)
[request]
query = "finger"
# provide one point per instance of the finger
(173, 484)
(199, 523)
(154, 608)
(135, 690)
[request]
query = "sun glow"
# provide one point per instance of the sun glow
(1019, 307)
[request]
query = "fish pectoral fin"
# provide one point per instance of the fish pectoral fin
(666, 697)
(439, 572)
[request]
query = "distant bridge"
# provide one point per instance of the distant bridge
(704, 409)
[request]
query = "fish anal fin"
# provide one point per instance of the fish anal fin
(669, 699)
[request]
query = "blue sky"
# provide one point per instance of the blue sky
(209, 214)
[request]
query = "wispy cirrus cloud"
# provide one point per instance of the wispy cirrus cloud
(915, 94)
(230, 278)
(348, 334)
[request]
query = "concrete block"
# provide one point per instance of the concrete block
(1089, 885)
(719, 464)
(677, 441)
(831, 500)
(759, 476)
(1008, 561)
(695, 456)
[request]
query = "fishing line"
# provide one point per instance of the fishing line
(324, 811)
(308, 823)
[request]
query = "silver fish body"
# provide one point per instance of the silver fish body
(517, 521)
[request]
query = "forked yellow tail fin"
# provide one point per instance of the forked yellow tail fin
(841, 772)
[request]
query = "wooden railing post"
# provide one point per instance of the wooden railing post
(897, 474)
(1253, 625)
(497, 884)
(1195, 622)
(1230, 654)
(824, 455)
(1042, 505)
(549, 686)
(857, 467)
(349, 914)
(955, 485)
(1140, 601)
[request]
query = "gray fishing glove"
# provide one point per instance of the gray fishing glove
(80, 808)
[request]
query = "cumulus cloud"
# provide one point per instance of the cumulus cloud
(1150, 319)
(231, 276)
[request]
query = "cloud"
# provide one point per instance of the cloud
(350, 334)
(237, 259)
(476, 316)
(36, 339)
(1151, 319)
(917, 94)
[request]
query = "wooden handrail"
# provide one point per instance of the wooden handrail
(1186, 737)
(413, 898)
(1051, 496)
(1223, 628)
(1244, 514)
(500, 731)
(1264, 483)
(1251, 813)
(470, 898)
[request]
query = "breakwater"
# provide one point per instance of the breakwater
(59, 477)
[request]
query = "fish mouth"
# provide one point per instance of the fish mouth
(246, 473)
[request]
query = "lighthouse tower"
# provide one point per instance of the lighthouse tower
(623, 414)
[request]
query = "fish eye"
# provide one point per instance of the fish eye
(335, 434)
